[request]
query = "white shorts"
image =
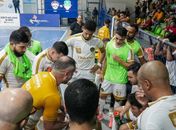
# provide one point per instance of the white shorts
(118, 90)
(83, 74)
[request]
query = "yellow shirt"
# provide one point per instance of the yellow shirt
(45, 93)
(158, 15)
(104, 33)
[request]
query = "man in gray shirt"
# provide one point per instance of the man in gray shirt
(15, 61)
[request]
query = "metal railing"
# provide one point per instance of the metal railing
(144, 35)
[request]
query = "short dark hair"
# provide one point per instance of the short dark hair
(60, 47)
(64, 62)
(133, 25)
(90, 25)
(133, 101)
(81, 100)
(26, 30)
(121, 31)
(18, 36)
(134, 67)
(107, 21)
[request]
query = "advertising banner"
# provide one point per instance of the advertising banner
(9, 20)
(66, 8)
(40, 20)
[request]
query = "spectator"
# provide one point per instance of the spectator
(15, 107)
(158, 16)
(127, 12)
(171, 66)
(76, 27)
(95, 14)
(137, 10)
(81, 102)
(16, 61)
(16, 4)
(147, 23)
(109, 11)
(160, 115)
(171, 28)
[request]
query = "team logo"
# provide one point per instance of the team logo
(78, 50)
(92, 49)
(34, 20)
(172, 116)
(67, 4)
(55, 4)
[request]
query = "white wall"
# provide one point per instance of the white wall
(118, 4)
(121, 4)
(30, 6)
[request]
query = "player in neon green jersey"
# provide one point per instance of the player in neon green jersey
(34, 45)
(133, 43)
(119, 57)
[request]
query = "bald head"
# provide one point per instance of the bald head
(64, 62)
(15, 105)
(154, 71)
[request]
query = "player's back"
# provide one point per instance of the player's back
(42, 87)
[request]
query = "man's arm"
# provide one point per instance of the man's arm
(125, 64)
(55, 125)
(96, 67)
(102, 50)
(169, 56)
(141, 56)
(52, 119)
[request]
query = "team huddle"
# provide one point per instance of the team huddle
(31, 96)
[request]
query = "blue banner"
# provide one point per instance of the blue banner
(66, 8)
(40, 20)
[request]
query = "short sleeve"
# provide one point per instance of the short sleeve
(70, 42)
(130, 56)
(3, 67)
(100, 44)
(140, 52)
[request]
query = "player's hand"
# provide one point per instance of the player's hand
(141, 98)
(121, 110)
(115, 57)
(94, 69)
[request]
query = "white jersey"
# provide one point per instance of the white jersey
(161, 115)
(6, 71)
(171, 67)
(42, 62)
(130, 116)
(83, 51)
(134, 88)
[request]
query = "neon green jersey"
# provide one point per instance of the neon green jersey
(35, 47)
(136, 47)
(115, 72)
